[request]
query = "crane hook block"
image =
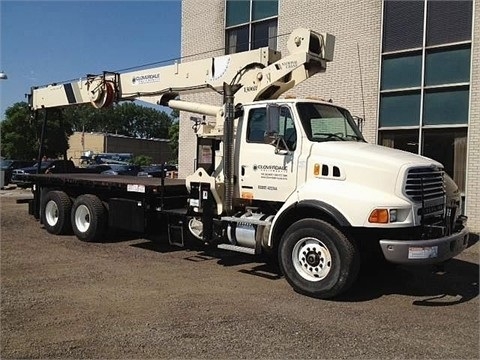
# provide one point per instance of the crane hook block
(101, 92)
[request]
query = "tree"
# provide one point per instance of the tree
(142, 160)
(56, 134)
(124, 119)
(141, 122)
(85, 117)
(19, 133)
(173, 132)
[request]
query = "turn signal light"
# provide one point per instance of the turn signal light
(247, 195)
(379, 216)
(316, 169)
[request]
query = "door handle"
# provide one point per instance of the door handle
(243, 170)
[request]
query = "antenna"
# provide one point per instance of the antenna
(361, 80)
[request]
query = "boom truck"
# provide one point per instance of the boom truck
(293, 178)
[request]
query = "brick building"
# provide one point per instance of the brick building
(411, 69)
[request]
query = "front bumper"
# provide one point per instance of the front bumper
(422, 252)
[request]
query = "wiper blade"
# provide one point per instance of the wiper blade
(358, 138)
(331, 136)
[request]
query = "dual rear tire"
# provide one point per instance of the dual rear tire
(56, 211)
(86, 216)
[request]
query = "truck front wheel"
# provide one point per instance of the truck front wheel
(56, 212)
(317, 259)
(88, 218)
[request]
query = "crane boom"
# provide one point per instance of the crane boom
(261, 74)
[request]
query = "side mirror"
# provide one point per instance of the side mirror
(359, 122)
(273, 118)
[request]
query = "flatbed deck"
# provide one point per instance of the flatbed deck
(120, 182)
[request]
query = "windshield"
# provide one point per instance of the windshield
(6, 163)
(43, 164)
(323, 122)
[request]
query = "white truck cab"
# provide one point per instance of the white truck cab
(301, 163)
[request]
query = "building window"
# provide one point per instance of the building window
(445, 106)
(237, 40)
(448, 21)
(250, 24)
(400, 109)
(397, 35)
(238, 12)
(447, 66)
(402, 71)
(425, 80)
(450, 148)
(406, 140)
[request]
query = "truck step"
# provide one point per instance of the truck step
(175, 212)
(236, 248)
(175, 235)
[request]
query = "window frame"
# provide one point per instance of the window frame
(250, 24)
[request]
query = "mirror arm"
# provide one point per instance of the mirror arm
(277, 146)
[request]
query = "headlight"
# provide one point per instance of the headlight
(393, 215)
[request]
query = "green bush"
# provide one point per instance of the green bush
(142, 160)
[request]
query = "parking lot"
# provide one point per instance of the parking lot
(136, 298)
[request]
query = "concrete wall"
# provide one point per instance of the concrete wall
(158, 150)
(203, 30)
(92, 142)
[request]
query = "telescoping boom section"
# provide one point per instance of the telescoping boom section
(260, 74)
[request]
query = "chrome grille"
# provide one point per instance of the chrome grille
(424, 183)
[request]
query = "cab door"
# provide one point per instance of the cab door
(264, 173)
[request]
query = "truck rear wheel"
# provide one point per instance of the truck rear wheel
(88, 218)
(56, 212)
(317, 259)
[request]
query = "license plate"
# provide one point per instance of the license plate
(425, 252)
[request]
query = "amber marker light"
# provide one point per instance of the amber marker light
(316, 169)
(379, 216)
(247, 195)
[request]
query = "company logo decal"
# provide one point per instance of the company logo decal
(145, 79)
(270, 167)
(271, 172)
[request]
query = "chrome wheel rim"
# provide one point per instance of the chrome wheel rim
(312, 259)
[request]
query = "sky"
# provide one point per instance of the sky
(44, 42)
